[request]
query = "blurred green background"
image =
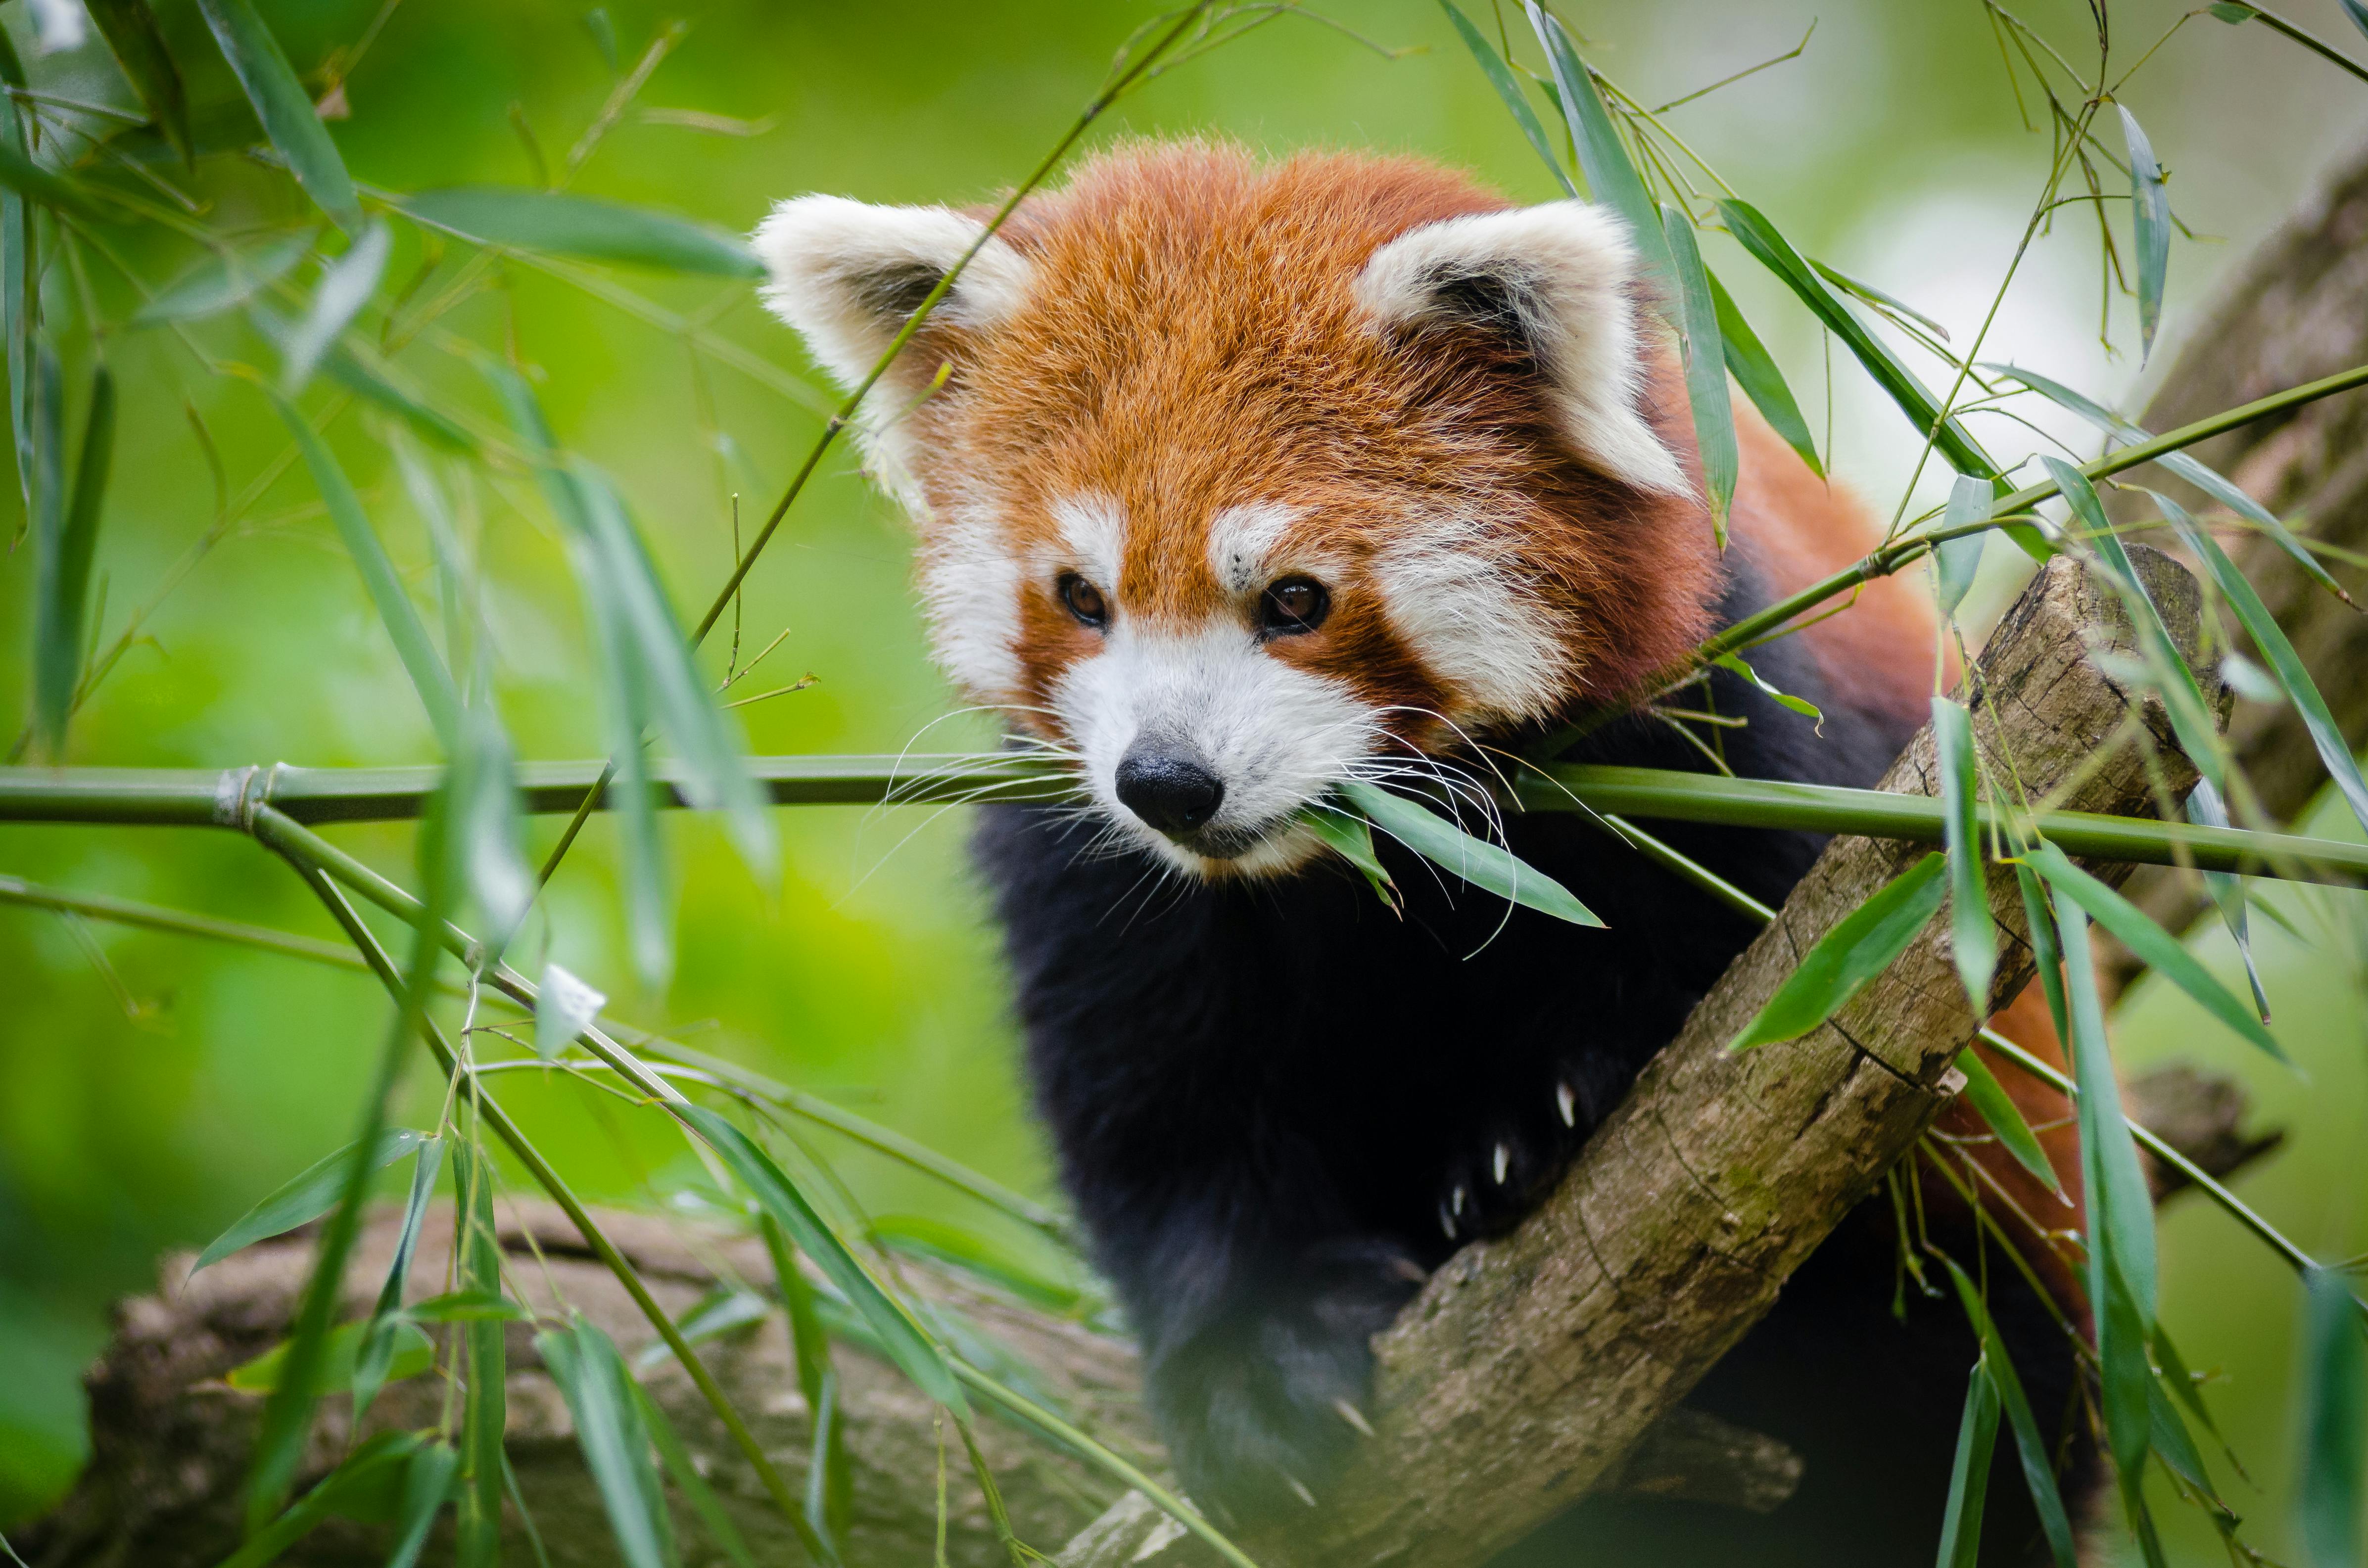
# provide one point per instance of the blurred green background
(151, 1088)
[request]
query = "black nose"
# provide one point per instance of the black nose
(1168, 788)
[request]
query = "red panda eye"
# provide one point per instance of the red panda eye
(1293, 605)
(1082, 599)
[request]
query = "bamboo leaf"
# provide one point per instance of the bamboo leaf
(690, 1483)
(486, 827)
(335, 1370)
(1755, 370)
(830, 1479)
(2205, 808)
(563, 1007)
(2186, 466)
(1873, 296)
(974, 1254)
(1483, 864)
(615, 1441)
(583, 226)
(2150, 222)
(1969, 1475)
(1350, 837)
(427, 1485)
(376, 1357)
(1862, 945)
(137, 44)
(62, 582)
(1973, 938)
(351, 371)
(1705, 371)
(2031, 1445)
(2292, 675)
(2046, 956)
(284, 108)
(1956, 560)
(2156, 948)
(1610, 177)
(2358, 13)
(1783, 698)
(305, 1198)
(1999, 1112)
(18, 267)
(901, 1338)
(46, 187)
(2335, 1424)
(429, 678)
(345, 288)
(1508, 89)
(477, 1525)
(468, 1306)
(362, 1476)
(2191, 717)
(724, 1310)
(219, 283)
(2120, 1223)
(1775, 253)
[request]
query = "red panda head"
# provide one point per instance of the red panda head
(1242, 478)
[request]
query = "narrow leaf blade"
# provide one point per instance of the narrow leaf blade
(2150, 221)
(1705, 356)
(1862, 945)
(138, 45)
(1755, 370)
(2031, 1444)
(1956, 560)
(1508, 89)
(1973, 937)
(583, 226)
(1478, 861)
(1969, 1475)
(345, 288)
(2335, 1424)
(284, 108)
(62, 574)
(1611, 177)
(602, 1397)
(305, 1198)
(1999, 1112)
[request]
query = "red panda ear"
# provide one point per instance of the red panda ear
(846, 275)
(1558, 278)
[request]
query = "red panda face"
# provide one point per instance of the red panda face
(1235, 481)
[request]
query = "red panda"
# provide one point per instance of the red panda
(1246, 478)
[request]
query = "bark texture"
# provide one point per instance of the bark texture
(2297, 310)
(1525, 1372)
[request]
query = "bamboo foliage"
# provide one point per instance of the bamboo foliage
(320, 297)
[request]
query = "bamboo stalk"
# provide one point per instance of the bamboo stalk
(204, 797)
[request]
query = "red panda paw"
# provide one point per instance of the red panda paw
(1488, 1189)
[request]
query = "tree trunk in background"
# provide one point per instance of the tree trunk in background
(2296, 311)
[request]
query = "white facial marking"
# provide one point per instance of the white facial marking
(1275, 736)
(1095, 534)
(1241, 540)
(1471, 621)
(970, 589)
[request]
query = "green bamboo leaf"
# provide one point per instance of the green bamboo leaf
(583, 226)
(284, 108)
(350, 371)
(1969, 1475)
(980, 1256)
(1862, 945)
(223, 282)
(485, 1408)
(2334, 1425)
(2121, 1222)
(46, 187)
(1705, 371)
(1956, 560)
(429, 678)
(2046, 957)
(2205, 808)
(1999, 1112)
(615, 1440)
(2292, 675)
(376, 1358)
(727, 1309)
(1611, 177)
(2233, 12)
(363, 1477)
(19, 237)
(1508, 89)
(1801, 705)
(2156, 948)
(346, 286)
(830, 1478)
(1973, 938)
(334, 1371)
(1755, 370)
(690, 1482)
(2191, 716)
(1483, 864)
(2150, 221)
(1775, 253)
(2358, 13)
(2186, 466)
(468, 1306)
(61, 572)
(137, 44)
(1350, 837)
(2031, 1445)
(1890, 304)
(2170, 1438)
(305, 1198)
(901, 1338)
(426, 1486)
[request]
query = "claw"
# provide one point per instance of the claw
(1504, 1163)
(1304, 1495)
(1460, 1195)
(1353, 1416)
(1447, 1222)
(1566, 1102)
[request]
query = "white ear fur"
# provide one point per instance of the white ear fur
(846, 273)
(1562, 271)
